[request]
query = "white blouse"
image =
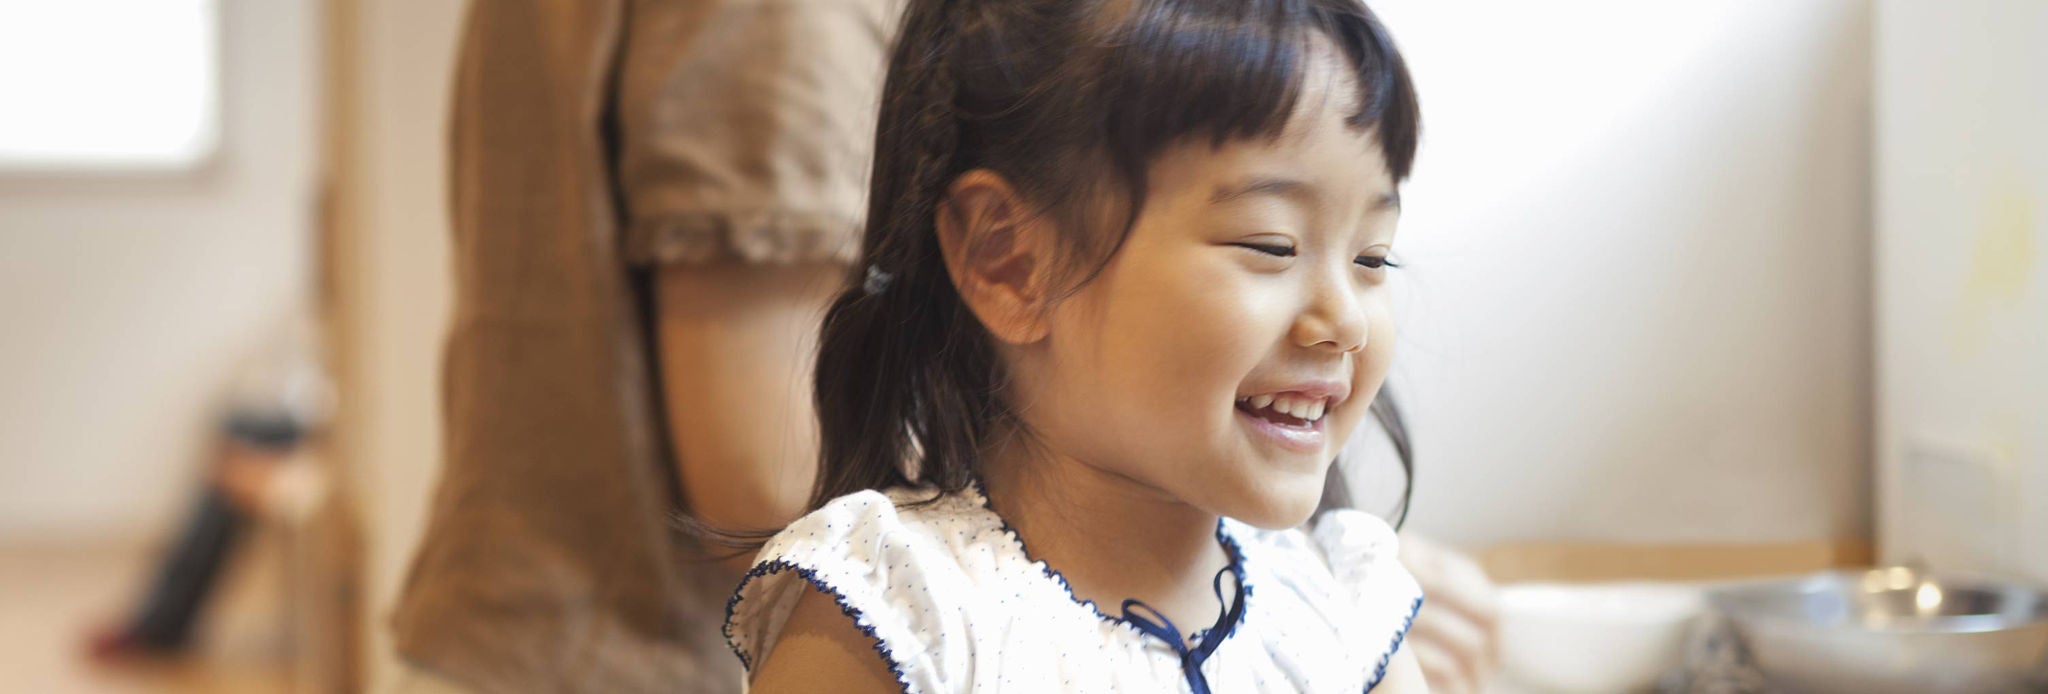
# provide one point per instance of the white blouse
(955, 603)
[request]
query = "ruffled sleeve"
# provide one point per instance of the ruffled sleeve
(744, 127)
(890, 577)
(1363, 553)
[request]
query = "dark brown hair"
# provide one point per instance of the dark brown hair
(1070, 101)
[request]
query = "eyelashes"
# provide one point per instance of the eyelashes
(1279, 251)
(1269, 249)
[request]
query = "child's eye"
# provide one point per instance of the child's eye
(1376, 262)
(1269, 249)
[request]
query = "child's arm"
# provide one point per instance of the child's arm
(822, 651)
(1404, 676)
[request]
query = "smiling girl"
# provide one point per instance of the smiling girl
(1124, 297)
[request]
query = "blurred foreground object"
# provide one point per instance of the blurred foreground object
(1890, 630)
(1595, 637)
(1598, 618)
(266, 471)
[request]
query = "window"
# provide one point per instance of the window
(108, 84)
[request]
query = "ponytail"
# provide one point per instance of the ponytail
(904, 375)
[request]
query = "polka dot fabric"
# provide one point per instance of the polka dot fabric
(955, 603)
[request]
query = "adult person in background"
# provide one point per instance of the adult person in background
(653, 200)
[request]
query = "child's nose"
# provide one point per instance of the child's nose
(1333, 320)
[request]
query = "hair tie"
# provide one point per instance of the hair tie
(877, 281)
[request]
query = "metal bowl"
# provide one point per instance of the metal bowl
(1892, 630)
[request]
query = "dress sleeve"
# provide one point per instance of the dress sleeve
(745, 127)
(890, 578)
(1364, 557)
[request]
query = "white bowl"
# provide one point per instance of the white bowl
(1594, 637)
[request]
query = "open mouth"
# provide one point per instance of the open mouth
(1284, 409)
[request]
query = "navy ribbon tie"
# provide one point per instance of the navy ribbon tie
(1191, 659)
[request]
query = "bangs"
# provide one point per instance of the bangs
(1233, 69)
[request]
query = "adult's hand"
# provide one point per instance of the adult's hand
(1454, 636)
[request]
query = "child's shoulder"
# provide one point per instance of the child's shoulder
(891, 560)
(920, 525)
(884, 538)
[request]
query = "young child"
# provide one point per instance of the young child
(1123, 299)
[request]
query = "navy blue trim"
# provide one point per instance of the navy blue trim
(1379, 673)
(1237, 561)
(776, 566)
(1192, 657)
(1229, 543)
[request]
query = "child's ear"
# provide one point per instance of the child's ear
(998, 251)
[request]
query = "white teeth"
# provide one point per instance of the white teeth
(1310, 409)
(1283, 405)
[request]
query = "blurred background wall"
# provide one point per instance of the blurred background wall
(1638, 304)
(1962, 266)
(128, 296)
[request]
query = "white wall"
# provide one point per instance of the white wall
(1637, 307)
(126, 299)
(1962, 290)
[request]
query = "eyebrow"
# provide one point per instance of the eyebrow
(1289, 188)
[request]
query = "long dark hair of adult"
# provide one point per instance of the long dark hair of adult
(1070, 101)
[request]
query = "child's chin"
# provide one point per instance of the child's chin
(1279, 509)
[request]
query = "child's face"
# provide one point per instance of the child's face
(1246, 287)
